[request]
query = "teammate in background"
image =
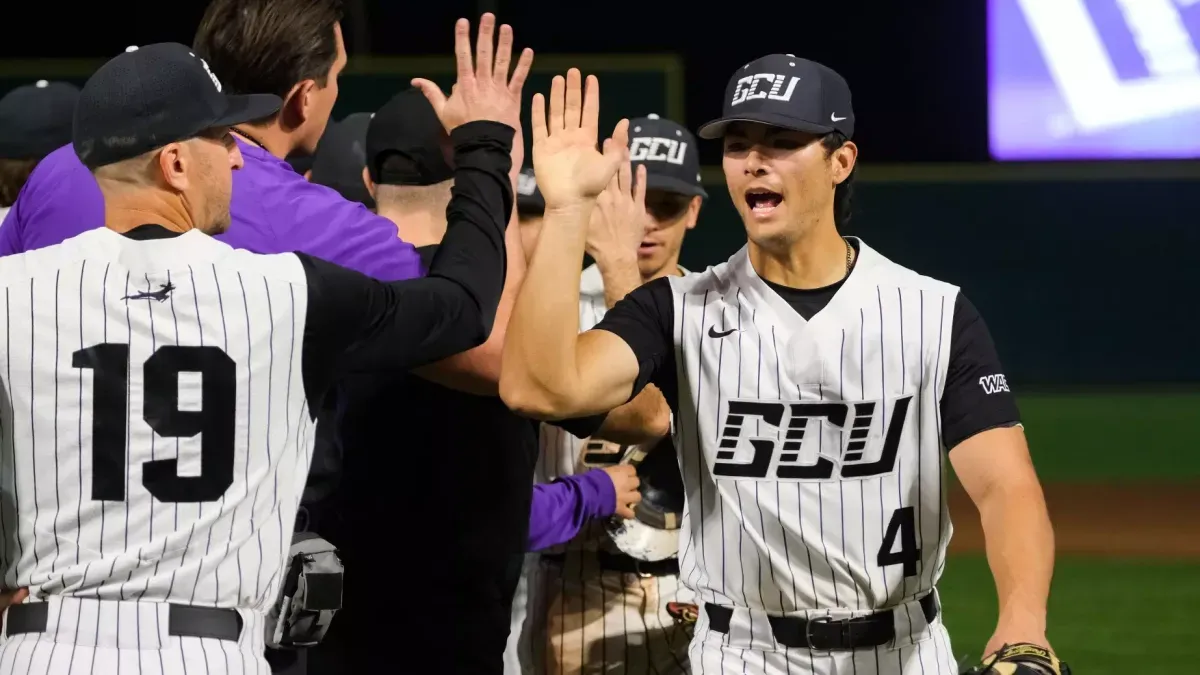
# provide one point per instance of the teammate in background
(341, 158)
(596, 598)
(196, 370)
(34, 120)
(815, 386)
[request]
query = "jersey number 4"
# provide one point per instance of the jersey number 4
(214, 421)
(902, 530)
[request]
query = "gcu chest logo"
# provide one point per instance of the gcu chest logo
(655, 149)
(791, 421)
(764, 85)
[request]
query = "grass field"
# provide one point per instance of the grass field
(1107, 617)
(1106, 437)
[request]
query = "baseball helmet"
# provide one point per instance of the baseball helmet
(653, 533)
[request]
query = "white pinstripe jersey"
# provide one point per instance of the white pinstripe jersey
(563, 454)
(156, 434)
(811, 450)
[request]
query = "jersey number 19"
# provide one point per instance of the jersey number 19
(214, 421)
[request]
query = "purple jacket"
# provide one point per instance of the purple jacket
(274, 210)
(561, 508)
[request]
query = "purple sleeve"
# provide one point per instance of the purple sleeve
(346, 233)
(59, 201)
(10, 231)
(561, 508)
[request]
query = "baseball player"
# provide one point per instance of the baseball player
(160, 386)
(604, 610)
(816, 387)
(34, 120)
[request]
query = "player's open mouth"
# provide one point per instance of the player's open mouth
(762, 201)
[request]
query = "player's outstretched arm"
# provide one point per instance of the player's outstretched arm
(549, 371)
(989, 453)
(995, 469)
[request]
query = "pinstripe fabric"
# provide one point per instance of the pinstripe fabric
(583, 607)
(62, 542)
(792, 545)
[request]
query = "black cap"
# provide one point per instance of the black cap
(302, 163)
(35, 119)
(668, 151)
(407, 129)
(341, 156)
(151, 96)
(529, 198)
(784, 91)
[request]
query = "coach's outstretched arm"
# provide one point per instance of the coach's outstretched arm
(358, 322)
(549, 370)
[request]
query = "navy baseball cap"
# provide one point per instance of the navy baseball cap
(35, 119)
(668, 151)
(341, 156)
(529, 198)
(407, 131)
(151, 96)
(787, 92)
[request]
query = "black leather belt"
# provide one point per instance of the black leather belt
(626, 564)
(182, 621)
(823, 634)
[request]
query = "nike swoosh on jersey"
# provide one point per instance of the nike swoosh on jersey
(712, 332)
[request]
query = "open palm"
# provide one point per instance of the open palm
(483, 89)
(569, 168)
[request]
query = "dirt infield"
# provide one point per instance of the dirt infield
(1105, 520)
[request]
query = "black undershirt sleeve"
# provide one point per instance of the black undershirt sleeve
(645, 320)
(976, 396)
(357, 323)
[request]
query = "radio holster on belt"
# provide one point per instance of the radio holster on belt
(310, 596)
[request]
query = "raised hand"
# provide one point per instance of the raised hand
(483, 90)
(570, 171)
(618, 225)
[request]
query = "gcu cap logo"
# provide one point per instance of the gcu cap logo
(656, 149)
(752, 86)
(215, 81)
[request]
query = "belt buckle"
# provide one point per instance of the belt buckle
(637, 569)
(812, 641)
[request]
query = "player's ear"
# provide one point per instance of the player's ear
(693, 212)
(842, 161)
(368, 182)
(173, 166)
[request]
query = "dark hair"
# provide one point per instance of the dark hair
(844, 192)
(268, 46)
(13, 174)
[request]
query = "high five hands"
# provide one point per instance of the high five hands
(617, 226)
(570, 171)
(483, 90)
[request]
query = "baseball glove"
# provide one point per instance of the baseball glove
(1022, 658)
